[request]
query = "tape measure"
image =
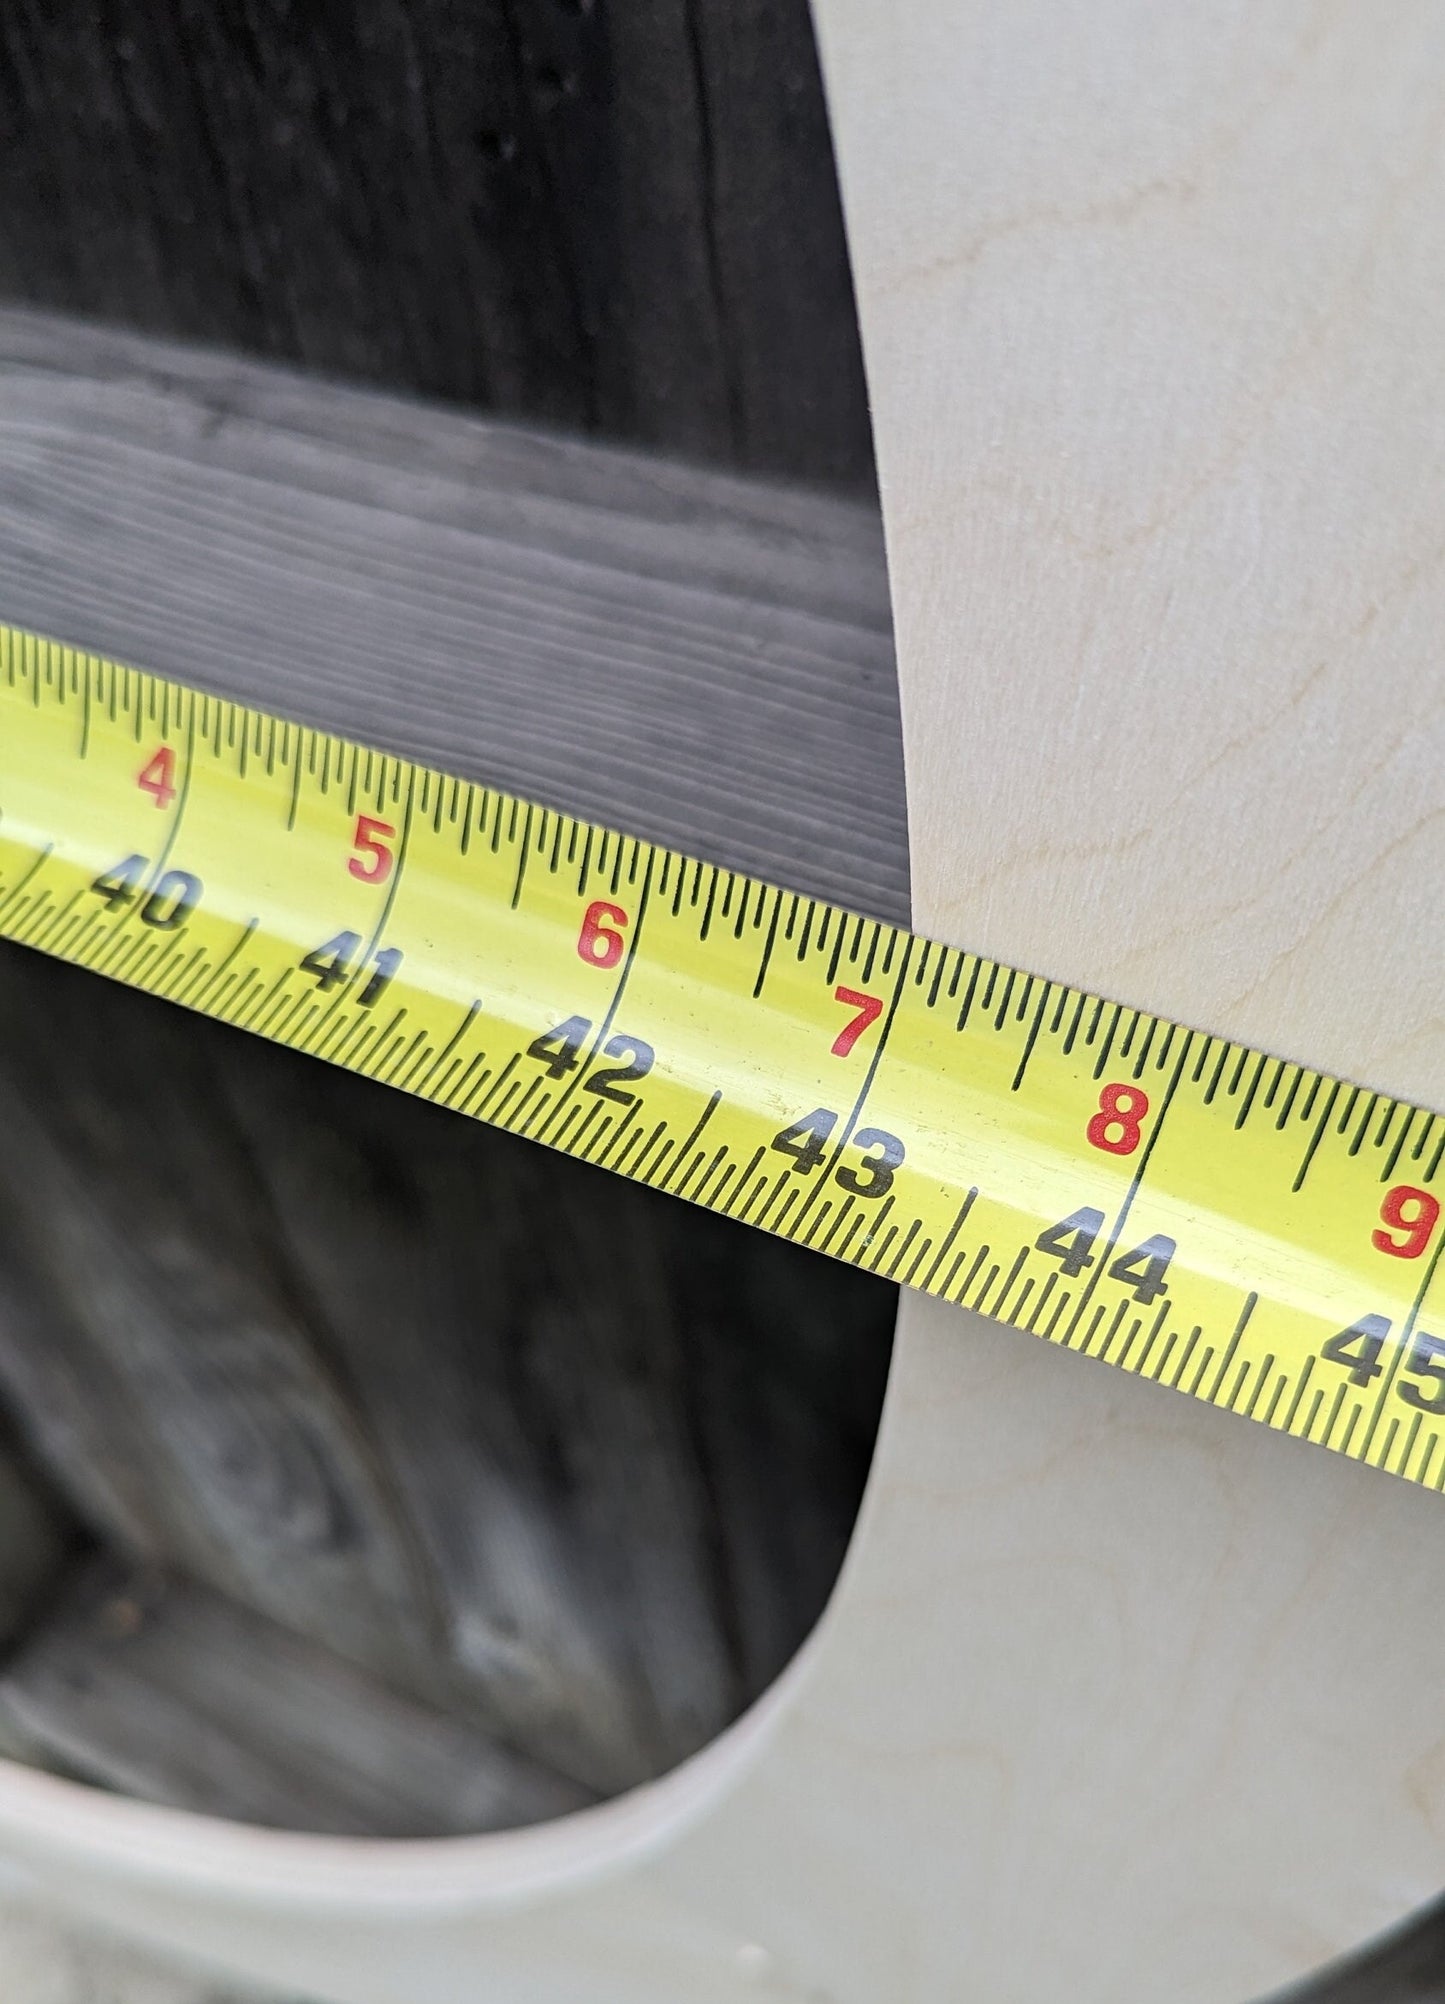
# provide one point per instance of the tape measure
(1241, 1228)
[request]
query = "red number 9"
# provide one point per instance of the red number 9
(1413, 1212)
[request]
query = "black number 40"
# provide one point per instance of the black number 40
(167, 905)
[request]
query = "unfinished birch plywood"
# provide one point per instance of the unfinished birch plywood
(1152, 307)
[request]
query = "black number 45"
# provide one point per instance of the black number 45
(1358, 1349)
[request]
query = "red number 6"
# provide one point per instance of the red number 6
(1115, 1127)
(597, 943)
(1413, 1212)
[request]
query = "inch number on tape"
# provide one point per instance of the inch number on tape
(1223, 1221)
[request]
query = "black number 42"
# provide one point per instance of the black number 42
(560, 1050)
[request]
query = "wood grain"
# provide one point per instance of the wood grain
(1119, 1698)
(1151, 306)
(347, 1362)
(170, 1693)
(619, 219)
(636, 640)
(48, 1961)
(36, 1539)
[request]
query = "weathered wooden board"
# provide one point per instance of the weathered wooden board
(619, 218)
(168, 1692)
(567, 1459)
(36, 1539)
(705, 658)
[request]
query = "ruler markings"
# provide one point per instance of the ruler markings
(986, 1120)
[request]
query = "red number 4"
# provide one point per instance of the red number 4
(869, 1007)
(157, 776)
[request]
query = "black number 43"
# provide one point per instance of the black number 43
(873, 1177)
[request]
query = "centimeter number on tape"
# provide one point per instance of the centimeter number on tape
(1241, 1228)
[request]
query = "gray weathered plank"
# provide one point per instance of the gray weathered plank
(705, 660)
(35, 1542)
(561, 1453)
(169, 1692)
(614, 218)
(523, 1441)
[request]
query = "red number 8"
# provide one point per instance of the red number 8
(1115, 1127)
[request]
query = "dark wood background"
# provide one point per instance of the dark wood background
(616, 218)
(513, 1483)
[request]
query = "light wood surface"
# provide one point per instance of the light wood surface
(1152, 309)
(50, 1961)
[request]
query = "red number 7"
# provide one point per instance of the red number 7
(869, 1007)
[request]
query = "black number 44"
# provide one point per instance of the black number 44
(1144, 1269)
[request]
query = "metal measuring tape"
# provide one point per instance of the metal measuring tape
(1248, 1231)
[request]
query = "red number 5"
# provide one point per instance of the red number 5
(1413, 1212)
(373, 861)
(1115, 1127)
(597, 943)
